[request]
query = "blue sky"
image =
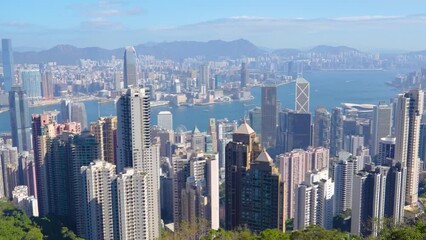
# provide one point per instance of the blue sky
(368, 25)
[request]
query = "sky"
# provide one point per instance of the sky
(364, 24)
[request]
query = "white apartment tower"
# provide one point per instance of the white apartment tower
(97, 192)
(381, 126)
(134, 148)
(407, 131)
(343, 179)
(130, 190)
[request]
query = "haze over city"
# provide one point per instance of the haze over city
(366, 25)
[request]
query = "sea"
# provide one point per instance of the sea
(328, 89)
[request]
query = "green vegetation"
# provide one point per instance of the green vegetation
(14, 224)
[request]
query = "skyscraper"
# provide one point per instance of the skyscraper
(105, 130)
(269, 116)
(262, 196)
(255, 118)
(244, 79)
(98, 201)
(134, 148)
(20, 119)
(343, 177)
(386, 151)
(322, 128)
(8, 67)
(204, 77)
(407, 130)
(302, 95)
(294, 130)
(165, 120)
(381, 125)
(314, 201)
(47, 85)
(31, 83)
(213, 134)
(65, 110)
(240, 152)
(130, 71)
(336, 141)
(130, 193)
(78, 114)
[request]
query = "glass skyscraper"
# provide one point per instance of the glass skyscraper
(8, 71)
(31, 83)
(130, 75)
(20, 119)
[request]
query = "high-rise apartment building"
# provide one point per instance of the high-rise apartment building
(240, 152)
(302, 95)
(262, 196)
(314, 201)
(105, 131)
(343, 179)
(129, 68)
(322, 128)
(407, 130)
(98, 200)
(20, 119)
(269, 116)
(78, 114)
(386, 151)
(381, 126)
(134, 148)
(8, 67)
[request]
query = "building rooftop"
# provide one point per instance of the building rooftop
(264, 157)
(244, 129)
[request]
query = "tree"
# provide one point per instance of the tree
(274, 234)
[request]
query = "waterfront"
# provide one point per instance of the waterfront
(328, 89)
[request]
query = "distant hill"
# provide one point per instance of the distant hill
(68, 54)
(324, 49)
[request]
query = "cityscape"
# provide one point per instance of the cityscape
(211, 139)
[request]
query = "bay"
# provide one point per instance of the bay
(328, 89)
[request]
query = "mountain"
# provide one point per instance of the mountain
(68, 54)
(287, 52)
(324, 49)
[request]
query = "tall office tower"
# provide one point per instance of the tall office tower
(47, 85)
(322, 128)
(20, 119)
(65, 110)
(129, 68)
(314, 201)
(240, 152)
(165, 120)
(213, 134)
(336, 140)
(255, 119)
(269, 116)
(353, 144)
(407, 130)
(118, 80)
(293, 168)
(294, 130)
(8, 68)
(343, 179)
(368, 205)
(381, 126)
(302, 95)
(130, 195)
(262, 196)
(31, 83)
(204, 77)
(78, 114)
(198, 141)
(29, 172)
(199, 192)
(98, 202)
(244, 79)
(105, 132)
(386, 151)
(134, 147)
